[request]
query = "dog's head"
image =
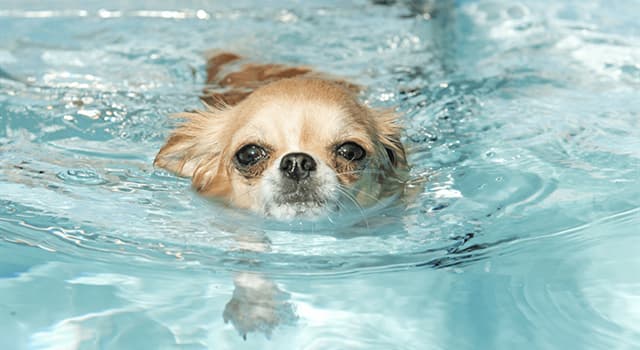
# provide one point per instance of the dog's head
(294, 147)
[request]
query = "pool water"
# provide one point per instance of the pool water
(524, 119)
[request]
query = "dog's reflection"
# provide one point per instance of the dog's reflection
(258, 304)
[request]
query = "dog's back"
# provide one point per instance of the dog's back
(230, 79)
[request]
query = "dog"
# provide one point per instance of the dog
(285, 142)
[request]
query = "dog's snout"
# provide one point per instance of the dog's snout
(297, 166)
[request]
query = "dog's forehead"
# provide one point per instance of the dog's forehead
(282, 112)
(282, 121)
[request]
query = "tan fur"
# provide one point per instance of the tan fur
(284, 109)
(229, 82)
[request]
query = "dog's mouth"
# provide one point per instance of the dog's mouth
(290, 210)
(300, 192)
(300, 200)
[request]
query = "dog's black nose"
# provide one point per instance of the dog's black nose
(297, 166)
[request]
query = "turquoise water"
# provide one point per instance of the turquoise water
(523, 117)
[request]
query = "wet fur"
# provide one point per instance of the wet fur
(200, 148)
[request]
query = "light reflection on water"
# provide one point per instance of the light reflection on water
(523, 117)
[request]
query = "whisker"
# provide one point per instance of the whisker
(360, 191)
(361, 171)
(355, 202)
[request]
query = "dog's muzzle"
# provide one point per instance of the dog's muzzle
(297, 166)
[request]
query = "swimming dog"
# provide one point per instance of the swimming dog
(285, 142)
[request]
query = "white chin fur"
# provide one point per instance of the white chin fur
(271, 186)
(295, 210)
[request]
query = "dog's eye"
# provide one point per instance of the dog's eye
(250, 155)
(350, 151)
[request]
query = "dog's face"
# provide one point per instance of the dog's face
(296, 147)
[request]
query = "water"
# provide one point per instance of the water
(524, 118)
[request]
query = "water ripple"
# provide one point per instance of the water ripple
(81, 177)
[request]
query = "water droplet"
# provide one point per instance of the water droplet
(87, 100)
(202, 14)
(90, 113)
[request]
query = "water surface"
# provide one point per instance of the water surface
(524, 118)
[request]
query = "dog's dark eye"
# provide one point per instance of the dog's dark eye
(351, 151)
(250, 155)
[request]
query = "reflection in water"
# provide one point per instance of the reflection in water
(257, 305)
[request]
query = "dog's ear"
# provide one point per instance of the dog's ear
(389, 132)
(195, 147)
